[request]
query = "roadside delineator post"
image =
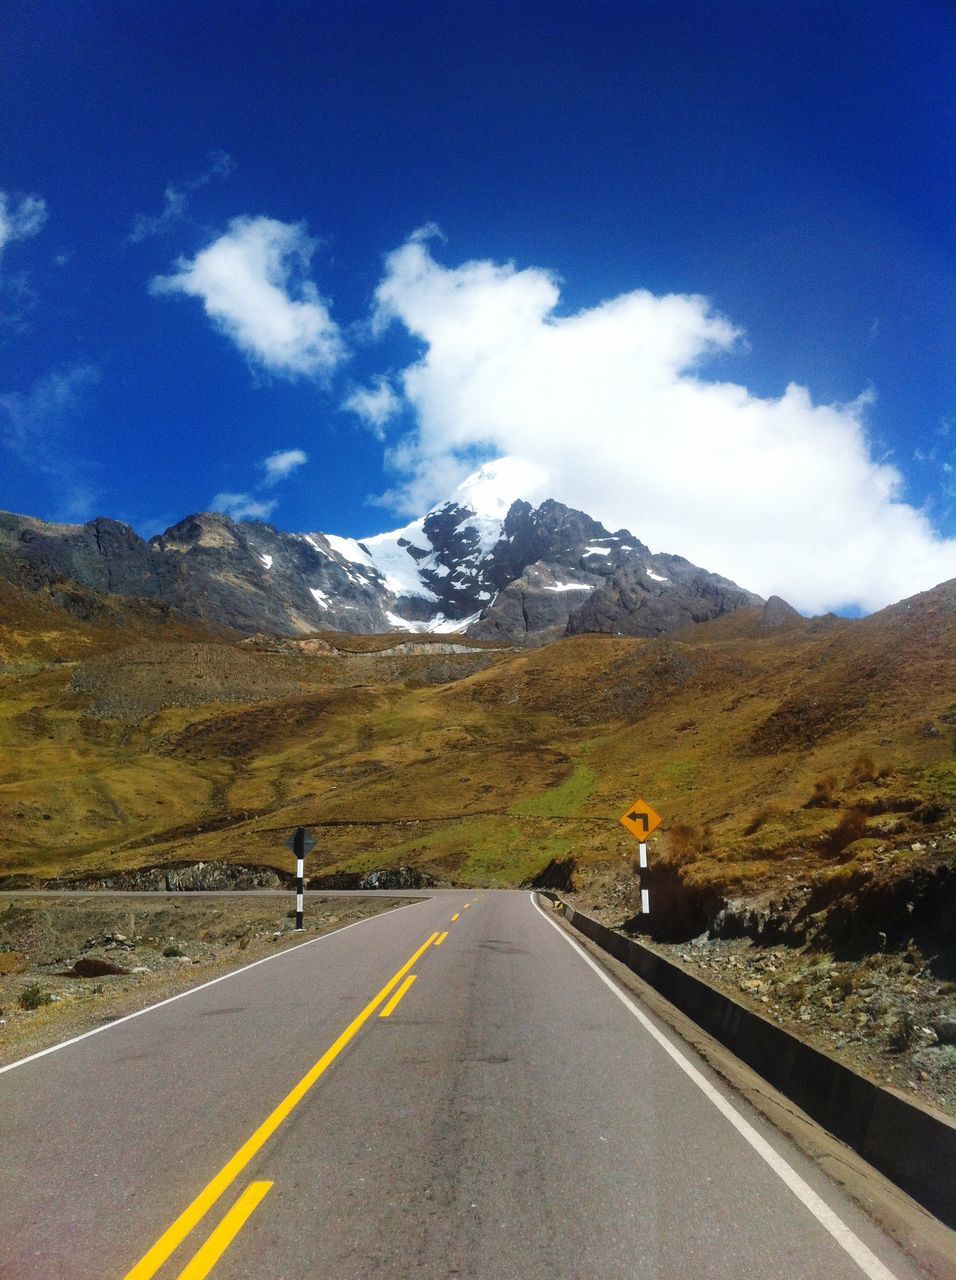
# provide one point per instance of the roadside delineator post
(300, 844)
(642, 863)
(640, 820)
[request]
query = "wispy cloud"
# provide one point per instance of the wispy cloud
(244, 506)
(282, 463)
(252, 506)
(35, 427)
(20, 217)
(253, 283)
(176, 200)
(375, 405)
(613, 405)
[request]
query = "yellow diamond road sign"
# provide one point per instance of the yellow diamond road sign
(640, 820)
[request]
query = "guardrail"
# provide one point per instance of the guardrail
(914, 1146)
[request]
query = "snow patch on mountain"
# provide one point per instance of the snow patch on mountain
(439, 625)
(399, 557)
(347, 548)
(407, 559)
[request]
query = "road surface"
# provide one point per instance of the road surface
(451, 1089)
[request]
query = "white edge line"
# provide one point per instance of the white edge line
(107, 1026)
(864, 1258)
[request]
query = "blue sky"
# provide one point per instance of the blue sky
(212, 242)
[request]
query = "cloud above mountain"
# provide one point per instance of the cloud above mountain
(275, 467)
(618, 407)
(243, 506)
(254, 285)
(282, 463)
(374, 406)
(37, 427)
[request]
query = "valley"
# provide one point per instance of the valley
(805, 769)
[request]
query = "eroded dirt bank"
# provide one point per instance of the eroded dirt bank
(862, 967)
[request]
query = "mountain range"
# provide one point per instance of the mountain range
(484, 563)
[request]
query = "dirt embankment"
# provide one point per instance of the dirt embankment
(69, 964)
(861, 965)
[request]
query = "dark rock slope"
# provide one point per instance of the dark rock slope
(524, 577)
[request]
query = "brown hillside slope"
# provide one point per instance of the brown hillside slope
(781, 756)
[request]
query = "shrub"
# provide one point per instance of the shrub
(173, 951)
(823, 793)
(33, 996)
(686, 841)
(863, 770)
(852, 826)
(844, 983)
(757, 821)
(902, 1031)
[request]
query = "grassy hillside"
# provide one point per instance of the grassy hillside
(809, 752)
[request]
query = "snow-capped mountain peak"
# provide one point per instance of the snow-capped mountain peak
(438, 559)
(491, 491)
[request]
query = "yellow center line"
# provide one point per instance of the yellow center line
(454, 917)
(225, 1233)
(441, 938)
(466, 906)
(173, 1237)
(390, 1007)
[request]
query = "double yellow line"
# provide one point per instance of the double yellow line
(214, 1247)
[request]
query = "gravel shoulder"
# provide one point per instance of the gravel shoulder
(161, 947)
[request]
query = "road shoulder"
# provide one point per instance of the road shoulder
(929, 1243)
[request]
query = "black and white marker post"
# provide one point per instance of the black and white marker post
(300, 844)
(640, 820)
(299, 876)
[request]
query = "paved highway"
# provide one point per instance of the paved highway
(451, 1089)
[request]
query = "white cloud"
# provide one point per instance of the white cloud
(252, 282)
(783, 495)
(32, 422)
(282, 463)
(147, 225)
(243, 506)
(20, 217)
(176, 199)
(35, 427)
(375, 405)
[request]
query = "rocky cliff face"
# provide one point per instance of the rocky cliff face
(494, 568)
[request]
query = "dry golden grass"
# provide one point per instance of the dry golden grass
(150, 742)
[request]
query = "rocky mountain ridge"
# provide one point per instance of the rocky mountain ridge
(480, 564)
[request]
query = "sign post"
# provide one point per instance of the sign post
(640, 820)
(300, 843)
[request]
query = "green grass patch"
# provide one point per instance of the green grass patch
(683, 773)
(566, 800)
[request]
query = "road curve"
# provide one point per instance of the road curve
(511, 1116)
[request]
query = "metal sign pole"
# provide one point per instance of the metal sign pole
(640, 820)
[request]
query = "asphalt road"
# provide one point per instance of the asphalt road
(514, 1115)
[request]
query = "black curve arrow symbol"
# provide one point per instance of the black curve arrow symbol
(639, 817)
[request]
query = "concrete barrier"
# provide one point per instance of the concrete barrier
(914, 1146)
